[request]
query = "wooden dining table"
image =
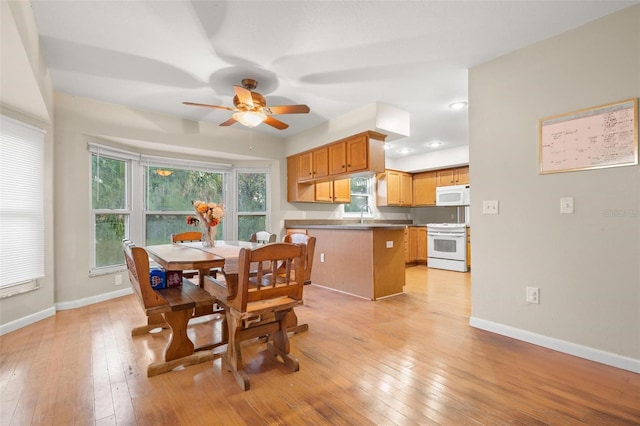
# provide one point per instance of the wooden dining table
(193, 255)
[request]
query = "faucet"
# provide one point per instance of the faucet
(362, 209)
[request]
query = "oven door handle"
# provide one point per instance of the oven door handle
(446, 234)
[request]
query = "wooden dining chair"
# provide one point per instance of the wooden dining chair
(262, 236)
(310, 244)
(270, 293)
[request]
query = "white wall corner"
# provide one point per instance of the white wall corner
(392, 121)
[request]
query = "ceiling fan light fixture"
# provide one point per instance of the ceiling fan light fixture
(250, 118)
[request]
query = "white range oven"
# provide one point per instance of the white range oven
(447, 246)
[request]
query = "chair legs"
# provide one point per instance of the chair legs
(237, 333)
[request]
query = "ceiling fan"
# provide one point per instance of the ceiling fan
(251, 108)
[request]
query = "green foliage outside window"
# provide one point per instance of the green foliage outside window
(174, 193)
(108, 192)
(109, 234)
(252, 198)
(359, 194)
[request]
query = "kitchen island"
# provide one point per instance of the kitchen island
(365, 260)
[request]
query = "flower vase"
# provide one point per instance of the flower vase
(209, 236)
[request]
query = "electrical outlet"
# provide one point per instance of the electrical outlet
(389, 244)
(533, 295)
(566, 205)
(321, 257)
(118, 279)
(490, 207)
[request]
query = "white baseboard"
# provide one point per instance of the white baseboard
(581, 351)
(62, 306)
(49, 312)
(25, 321)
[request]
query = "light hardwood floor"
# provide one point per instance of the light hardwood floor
(407, 360)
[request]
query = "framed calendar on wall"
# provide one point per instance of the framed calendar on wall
(591, 138)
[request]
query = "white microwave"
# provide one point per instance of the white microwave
(453, 195)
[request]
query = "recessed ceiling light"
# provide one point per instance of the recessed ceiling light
(404, 151)
(434, 144)
(387, 146)
(458, 105)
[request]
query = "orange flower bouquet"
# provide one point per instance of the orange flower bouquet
(209, 216)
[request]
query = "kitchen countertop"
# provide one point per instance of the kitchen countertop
(359, 226)
(343, 223)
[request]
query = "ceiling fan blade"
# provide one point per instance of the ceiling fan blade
(229, 122)
(208, 106)
(275, 123)
(289, 109)
(244, 96)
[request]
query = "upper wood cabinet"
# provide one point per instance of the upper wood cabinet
(334, 191)
(313, 164)
(357, 154)
(424, 188)
(296, 191)
(394, 188)
(351, 155)
(453, 176)
(338, 191)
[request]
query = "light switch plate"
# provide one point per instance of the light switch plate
(389, 244)
(566, 205)
(490, 207)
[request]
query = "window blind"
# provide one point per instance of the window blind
(21, 204)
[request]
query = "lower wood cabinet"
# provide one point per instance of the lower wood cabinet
(416, 245)
(468, 248)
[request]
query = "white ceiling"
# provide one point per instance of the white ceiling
(334, 56)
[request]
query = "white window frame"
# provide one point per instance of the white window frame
(136, 210)
(370, 201)
(128, 211)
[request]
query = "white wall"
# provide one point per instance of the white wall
(587, 265)
(26, 94)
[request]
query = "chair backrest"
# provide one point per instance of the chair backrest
(185, 237)
(266, 282)
(138, 265)
(310, 242)
(263, 236)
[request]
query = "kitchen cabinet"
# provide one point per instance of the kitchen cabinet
(296, 191)
(313, 164)
(334, 191)
(424, 188)
(355, 155)
(468, 247)
(453, 176)
(338, 191)
(416, 245)
(421, 244)
(394, 188)
(349, 155)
